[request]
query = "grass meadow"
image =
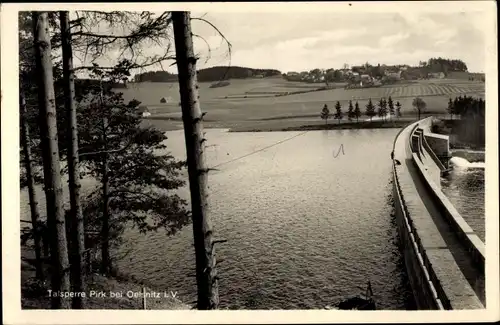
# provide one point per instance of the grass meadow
(263, 104)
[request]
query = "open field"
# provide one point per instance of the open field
(281, 112)
(252, 87)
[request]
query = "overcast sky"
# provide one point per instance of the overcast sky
(294, 41)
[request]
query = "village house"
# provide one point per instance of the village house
(393, 74)
(144, 111)
(293, 76)
(366, 78)
(346, 72)
(436, 75)
(354, 76)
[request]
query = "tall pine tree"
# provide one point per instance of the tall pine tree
(451, 108)
(30, 182)
(398, 109)
(350, 111)
(381, 112)
(51, 162)
(204, 242)
(357, 111)
(370, 109)
(338, 112)
(75, 220)
(390, 104)
(325, 113)
(130, 161)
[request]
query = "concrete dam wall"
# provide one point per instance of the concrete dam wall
(444, 258)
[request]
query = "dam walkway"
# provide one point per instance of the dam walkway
(438, 240)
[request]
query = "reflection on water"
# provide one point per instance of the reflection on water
(464, 186)
(304, 228)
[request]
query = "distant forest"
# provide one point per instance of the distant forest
(444, 65)
(209, 74)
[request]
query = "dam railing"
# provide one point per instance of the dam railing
(430, 283)
(430, 289)
(464, 232)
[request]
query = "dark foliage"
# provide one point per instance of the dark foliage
(209, 74)
(370, 109)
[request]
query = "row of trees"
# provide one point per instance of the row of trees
(464, 106)
(466, 123)
(101, 137)
(384, 108)
(470, 127)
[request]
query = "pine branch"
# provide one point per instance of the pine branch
(130, 142)
(132, 66)
(113, 193)
(229, 45)
(208, 46)
(105, 151)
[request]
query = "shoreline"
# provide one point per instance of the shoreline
(326, 127)
(282, 125)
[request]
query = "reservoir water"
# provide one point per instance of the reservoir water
(305, 224)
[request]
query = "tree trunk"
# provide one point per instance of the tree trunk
(105, 257)
(51, 163)
(35, 213)
(77, 239)
(206, 272)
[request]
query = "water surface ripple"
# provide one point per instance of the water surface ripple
(303, 228)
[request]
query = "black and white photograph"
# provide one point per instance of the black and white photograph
(211, 157)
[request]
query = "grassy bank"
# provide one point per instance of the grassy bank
(333, 126)
(284, 123)
(292, 111)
